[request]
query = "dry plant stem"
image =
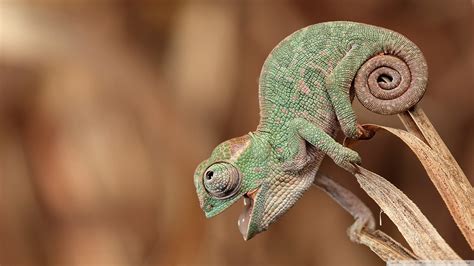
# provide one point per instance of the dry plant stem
(380, 243)
(453, 185)
(385, 247)
(422, 237)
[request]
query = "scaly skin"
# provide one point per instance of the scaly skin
(305, 98)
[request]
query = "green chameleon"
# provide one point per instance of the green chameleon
(305, 99)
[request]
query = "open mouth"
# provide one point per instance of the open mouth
(245, 216)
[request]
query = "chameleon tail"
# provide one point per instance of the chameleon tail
(395, 80)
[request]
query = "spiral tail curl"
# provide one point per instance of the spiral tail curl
(393, 81)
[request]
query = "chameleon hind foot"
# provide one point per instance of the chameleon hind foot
(364, 220)
(363, 133)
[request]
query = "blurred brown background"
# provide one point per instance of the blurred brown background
(106, 107)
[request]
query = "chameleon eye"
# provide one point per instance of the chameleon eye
(222, 180)
(209, 174)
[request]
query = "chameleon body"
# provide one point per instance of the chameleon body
(305, 99)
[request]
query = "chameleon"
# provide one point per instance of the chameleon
(306, 88)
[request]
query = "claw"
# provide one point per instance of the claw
(363, 133)
(365, 222)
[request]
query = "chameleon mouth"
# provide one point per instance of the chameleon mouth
(244, 219)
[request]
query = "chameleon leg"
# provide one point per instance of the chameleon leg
(338, 85)
(301, 129)
(347, 200)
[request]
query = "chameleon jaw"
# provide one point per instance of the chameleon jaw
(245, 217)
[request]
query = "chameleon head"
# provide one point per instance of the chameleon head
(236, 168)
(246, 167)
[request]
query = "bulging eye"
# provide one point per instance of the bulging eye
(222, 180)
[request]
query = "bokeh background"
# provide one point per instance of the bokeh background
(106, 107)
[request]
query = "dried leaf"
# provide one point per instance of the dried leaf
(414, 226)
(448, 178)
(445, 174)
(442, 168)
(386, 247)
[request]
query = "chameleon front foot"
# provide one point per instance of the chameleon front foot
(346, 158)
(301, 131)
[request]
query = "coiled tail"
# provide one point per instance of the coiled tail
(393, 81)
